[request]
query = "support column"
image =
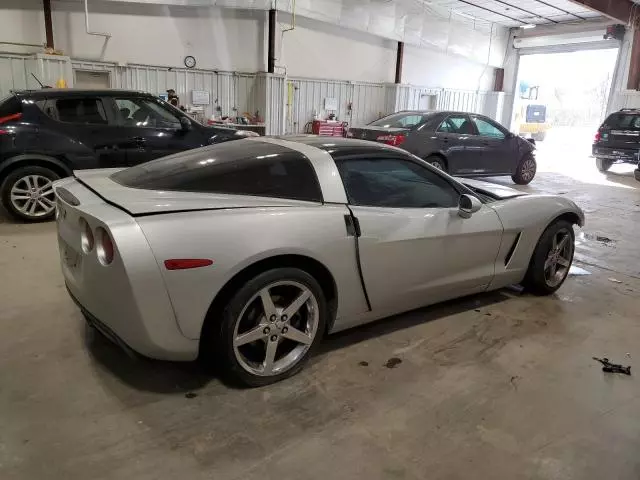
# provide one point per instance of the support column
(633, 80)
(271, 53)
(48, 26)
(399, 58)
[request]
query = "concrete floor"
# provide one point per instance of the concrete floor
(496, 386)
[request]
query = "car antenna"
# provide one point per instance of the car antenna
(37, 80)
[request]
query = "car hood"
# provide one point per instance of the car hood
(497, 191)
(140, 201)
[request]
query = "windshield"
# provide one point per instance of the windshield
(401, 120)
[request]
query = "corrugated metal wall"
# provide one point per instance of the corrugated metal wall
(358, 103)
(231, 94)
(624, 99)
(287, 105)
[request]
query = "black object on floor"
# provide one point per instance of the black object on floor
(609, 367)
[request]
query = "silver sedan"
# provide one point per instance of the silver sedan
(247, 253)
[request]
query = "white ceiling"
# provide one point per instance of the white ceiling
(514, 13)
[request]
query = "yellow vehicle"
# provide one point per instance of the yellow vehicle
(531, 118)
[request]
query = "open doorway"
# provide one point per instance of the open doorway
(561, 99)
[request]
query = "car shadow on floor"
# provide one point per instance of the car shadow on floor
(389, 325)
(156, 376)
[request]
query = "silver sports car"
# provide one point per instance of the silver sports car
(247, 253)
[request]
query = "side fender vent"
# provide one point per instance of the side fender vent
(512, 250)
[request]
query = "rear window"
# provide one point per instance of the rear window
(75, 110)
(401, 120)
(9, 106)
(241, 167)
(623, 120)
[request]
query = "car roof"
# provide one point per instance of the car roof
(340, 146)
(74, 92)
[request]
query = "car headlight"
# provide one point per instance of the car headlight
(246, 133)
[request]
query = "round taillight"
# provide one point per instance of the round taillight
(104, 246)
(86, 236)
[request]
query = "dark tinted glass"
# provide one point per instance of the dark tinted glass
(459, 124)
(241, 167)
(9, 106)
(401, 120)
(395, 183)
(75, 110)
(623, 120)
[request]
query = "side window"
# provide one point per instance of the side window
(75, 110)
(142, 112)
(395, 183)
(252, 169)
(410, 120)
(487, 129)
(456, 124)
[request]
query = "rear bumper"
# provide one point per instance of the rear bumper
(615, 154)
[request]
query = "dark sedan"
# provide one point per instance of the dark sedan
(462, 144)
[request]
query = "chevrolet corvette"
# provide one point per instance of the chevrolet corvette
(248, 253)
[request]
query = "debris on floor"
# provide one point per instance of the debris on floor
(598, 238)
(609, 367)
(363, 364)
(190, 395)
(614, 280)
(393, 362)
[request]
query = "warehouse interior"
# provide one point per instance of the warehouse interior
(500, 385)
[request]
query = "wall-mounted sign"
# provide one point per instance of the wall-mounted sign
(200, 97)
(331, 103)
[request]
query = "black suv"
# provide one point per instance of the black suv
(618, 139)
(46, 134)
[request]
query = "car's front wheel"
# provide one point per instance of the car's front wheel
(525, 171)
(551, 259)
(27, 193)
(603, 164)
(270, 326)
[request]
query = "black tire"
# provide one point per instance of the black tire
(603, 164)
(526, 170)
(219, 339)
(536, 281)
(438, 162)
(16, 178)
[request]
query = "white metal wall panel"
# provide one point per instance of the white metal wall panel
(49, 69)
(231, 94)
(13, 74)
(358, 103)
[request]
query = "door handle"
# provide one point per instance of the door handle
(139, 140)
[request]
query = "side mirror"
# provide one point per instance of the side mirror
(468, 205)
(510, 135)
(185, 124)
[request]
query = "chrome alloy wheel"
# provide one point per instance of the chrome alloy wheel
(33, 196)
(528, 169)
(437, 164)
(558, 262)
(275, 328)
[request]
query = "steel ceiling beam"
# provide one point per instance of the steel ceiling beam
(560, 9)
(492, 11)
(523, 10)
(624, 11)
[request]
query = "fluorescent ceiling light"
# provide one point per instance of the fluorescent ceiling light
(528, 25)
(462, 14)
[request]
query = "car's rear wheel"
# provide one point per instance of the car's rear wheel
(551, 259)
(526, 170)
(27, 193)
(437, 162)
(270, 327)
(603, 164)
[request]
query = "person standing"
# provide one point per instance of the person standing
(172, 98)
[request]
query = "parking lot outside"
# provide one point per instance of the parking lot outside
(498, 385)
